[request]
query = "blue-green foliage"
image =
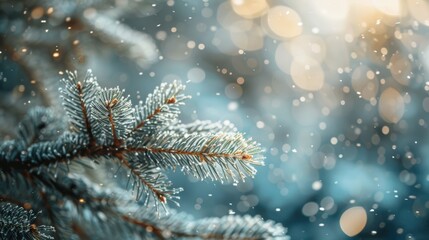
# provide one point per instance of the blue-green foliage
(18, 223)
(62, 166)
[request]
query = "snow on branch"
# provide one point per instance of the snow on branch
(160, 109)
(77, 95)
(221, 156)
(182, 225)
(18, 223)
(145, 141)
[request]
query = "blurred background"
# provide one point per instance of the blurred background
(334, 90)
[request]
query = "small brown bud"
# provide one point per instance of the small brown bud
(113, 103)
(171, 100)
(246, 156)
(162, 198)
(79, 86)
(33, 230)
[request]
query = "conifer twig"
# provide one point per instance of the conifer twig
(145, 141)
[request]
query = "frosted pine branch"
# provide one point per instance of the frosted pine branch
(113, 116)
(77, 95)
(220, 156)
(204, 127)
(144, 141)
(18, 223)
(182, 225)
(103, 119)
(160, 109)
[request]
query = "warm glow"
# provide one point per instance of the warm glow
(249, 8)
(307, 74)
(353, 221)
(283, 22)
(283, 57)
(364, 82)
(391, 105)
(400, 68)
(308, 45)
(389, 7)
(37, 12)
(332, 9)
(420, 10)
(250, 40)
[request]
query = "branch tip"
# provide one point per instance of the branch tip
(171, 100)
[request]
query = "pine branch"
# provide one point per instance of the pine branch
(221, 156)
(160, 108)
(77, 96)
(145, 141)
(203, 127)
(113, 116)
(74, 202)
(105, 210)
(149, 180)
(106, 114)
(13, 155)
(18, 223)
(181, 225)
(236, 227)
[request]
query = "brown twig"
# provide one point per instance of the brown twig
(157, 111)
(201, 154)
(118, 152)
(109, 105)
(160, 195)
(85, 114)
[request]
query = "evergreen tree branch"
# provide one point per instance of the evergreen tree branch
(14, 156)
(203, 127)
(109, 104)
(77, 96)
(73, 198)
(144, 140)
(221, 156)
(160, 108)
(18, 223)
(113, 115)
(181, 225)
(151, 181)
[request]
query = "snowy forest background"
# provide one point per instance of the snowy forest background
(335, 91)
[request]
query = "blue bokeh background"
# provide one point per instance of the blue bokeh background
(327, 149)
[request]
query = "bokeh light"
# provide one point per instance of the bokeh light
(336, 91)
(353, 220)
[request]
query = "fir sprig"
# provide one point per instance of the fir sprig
(144, 141)
(18, 223)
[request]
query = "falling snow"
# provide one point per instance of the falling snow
(335, 91)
